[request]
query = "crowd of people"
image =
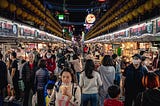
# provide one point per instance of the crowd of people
(61, 77)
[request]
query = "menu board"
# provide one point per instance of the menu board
(8, 29)
(139, 30)
(157, 25)
(42, 35)
(24, 31)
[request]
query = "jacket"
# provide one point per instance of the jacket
(150, 98)
(28, 75)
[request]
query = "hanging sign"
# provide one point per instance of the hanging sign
(135, 31)
(139, 30)
(42, 35)
(27, 31)
(90, 19)
(8, 29)
(157, 25)
(122, 34)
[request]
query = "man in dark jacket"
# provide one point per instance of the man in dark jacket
(28, 75)
(132, 80)
(14, 75)
(3, 79)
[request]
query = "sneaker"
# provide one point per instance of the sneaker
(7, 98)
(11, 98)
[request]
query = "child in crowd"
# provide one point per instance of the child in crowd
(52, 80)
(49, 92)
(114, 94)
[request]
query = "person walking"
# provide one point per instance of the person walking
(14, 75)
(132, 80)
(3, 79)
(41, 79)
(150, 97)
(107, 73)
(28, 75)
(90, 81)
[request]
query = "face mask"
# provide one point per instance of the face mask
(48, 56)
(135, 61)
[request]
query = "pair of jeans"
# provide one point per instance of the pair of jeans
(92, 98)
(117, 79)
(40, 97)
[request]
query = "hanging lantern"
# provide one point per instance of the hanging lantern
(156, 2)
(36, 10)
(141, 9)
(23, 2)
(43, 9)
(29, 17)
(24, 14)
(33, 19)
(38, 4)
(32, 8)
(129, 16)
(125, 18)
(43, 16)
(129, 4)
(148, 5)
(3, 4)
(36, 1)
(19, 11)
(28, 5)
(125, 7)
(134, 2)
(134, 13)
(12, 7)
(38, 13)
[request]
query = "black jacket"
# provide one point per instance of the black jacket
(3, 75)
(150, 98)
(28, 75)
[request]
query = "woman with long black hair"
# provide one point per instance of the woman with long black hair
(66, 92)
(89, 82)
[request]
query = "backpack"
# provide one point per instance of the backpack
(56, 89)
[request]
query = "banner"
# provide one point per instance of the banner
(122, 34)
(157, 25)
(42, 35)
(26, 31)
(139, 30)
(8, 29)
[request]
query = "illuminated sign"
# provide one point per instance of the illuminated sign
(90, 18)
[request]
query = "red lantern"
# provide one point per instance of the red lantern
(101, 0)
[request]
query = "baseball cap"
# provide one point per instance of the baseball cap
(138, 56)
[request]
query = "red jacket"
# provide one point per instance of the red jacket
(113, 102)
(51, 65)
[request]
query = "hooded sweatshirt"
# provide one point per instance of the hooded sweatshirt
(150, 98)
(107, 74)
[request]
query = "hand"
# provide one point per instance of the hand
(64, 90)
